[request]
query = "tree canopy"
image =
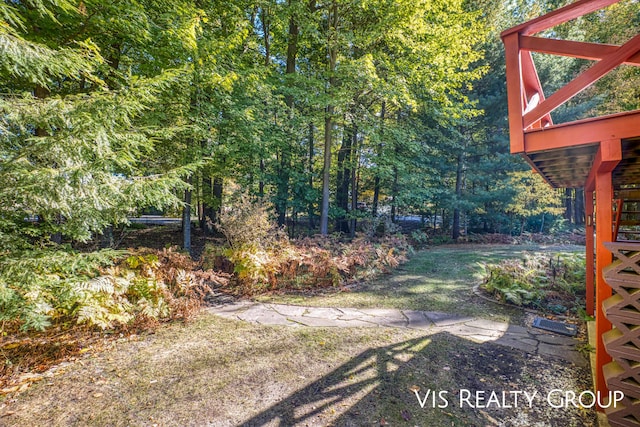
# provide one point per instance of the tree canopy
(333, 110)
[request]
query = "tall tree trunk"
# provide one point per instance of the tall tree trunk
(376, 179)
(445, 220)
(568, 204)
(261, 182)
(355, 170)
(206, 203)
(186, 219)
(199, 202)
(578, 212)
(285, 156)
(282, 188)
(292, 52)
(343, 179)
(376, 195)
(282, 183)
(310, 210)
(324, 210)
(265, 20)
(212, 203)
(311, 202)
(395, 189)
(218, 187)
(455, 232)
(394, 194)
(328, 121)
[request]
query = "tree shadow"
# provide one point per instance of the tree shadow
(376, 387)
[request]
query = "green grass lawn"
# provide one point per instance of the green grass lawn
(229, 373)
(436, 279)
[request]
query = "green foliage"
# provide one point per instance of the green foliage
(110, 108)
(549, 283)
(73, 141)
(84, 174)
(584, 316)
(585, 349)
(419, 237)
(312, 262)
(104, 289)
(41, 286)
(118, 296)
(35, 62)
(532, 197)
(96, 123)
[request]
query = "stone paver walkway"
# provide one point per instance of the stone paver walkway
(531, 340)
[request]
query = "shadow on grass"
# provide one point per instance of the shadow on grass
(376, 388)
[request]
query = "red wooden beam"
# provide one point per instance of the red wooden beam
(583, 132)
(582, 50)
(532, 91)
(559, 16)
(583, 81)
(608, 156)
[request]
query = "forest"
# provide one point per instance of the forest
(326, 114)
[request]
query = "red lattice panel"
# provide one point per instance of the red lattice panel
(623, 341)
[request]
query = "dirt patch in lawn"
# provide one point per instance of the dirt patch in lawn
(229, 373)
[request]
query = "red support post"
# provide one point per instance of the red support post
(604, 219)
(514, 92)
(590, 249)
(608, 157)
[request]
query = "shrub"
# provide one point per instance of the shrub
(312, 262)
(263, 258)
(39, 285)
(380, 226)
(248, 223)
(551, 283)
(419, 238)
(103, 289)
(252, 241)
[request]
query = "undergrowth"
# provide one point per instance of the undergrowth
(262, 258)
(554, 284)
(41, 288)
(55, 305)
(313, 262)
